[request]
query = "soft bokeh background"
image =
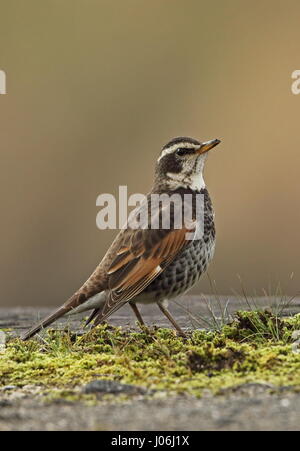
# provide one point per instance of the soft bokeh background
(95, 88)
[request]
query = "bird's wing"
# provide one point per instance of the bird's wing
(141, 256)
(135, 258)
(129, 274)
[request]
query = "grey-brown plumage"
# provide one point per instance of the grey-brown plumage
(188, 266)
(146, 264)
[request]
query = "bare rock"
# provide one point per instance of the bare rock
(111, 387)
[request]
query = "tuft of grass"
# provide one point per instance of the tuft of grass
(281, 301)
(218, 314)
(253, 347)
(262, 326)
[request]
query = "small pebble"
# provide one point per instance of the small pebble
(296, 334)
(112, 387)
(9, 387)
(285, 402)
(296, 344)
(2, 341)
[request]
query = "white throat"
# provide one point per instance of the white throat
(195, 181)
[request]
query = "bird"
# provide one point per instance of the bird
(148, 261)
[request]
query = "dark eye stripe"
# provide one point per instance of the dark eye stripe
(185, 151)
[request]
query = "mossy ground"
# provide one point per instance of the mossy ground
(255, 347)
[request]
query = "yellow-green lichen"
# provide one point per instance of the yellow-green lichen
(255, 347)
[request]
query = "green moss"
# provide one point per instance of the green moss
(255, 347)
(68, 395)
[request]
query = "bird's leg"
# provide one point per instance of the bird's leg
(171, 319)
(137, 313)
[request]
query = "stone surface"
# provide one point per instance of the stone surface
(247, 407)
(190, 311)
(112, 387)
(240, 411)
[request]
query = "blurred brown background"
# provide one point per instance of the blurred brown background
(95, 88)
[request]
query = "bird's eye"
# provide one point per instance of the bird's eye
(181, 151)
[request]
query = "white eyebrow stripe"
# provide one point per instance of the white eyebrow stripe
(185, 145)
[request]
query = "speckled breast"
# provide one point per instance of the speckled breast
(188, 266)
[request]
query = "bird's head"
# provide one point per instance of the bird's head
(180, 163)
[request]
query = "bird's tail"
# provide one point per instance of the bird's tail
(72, 303)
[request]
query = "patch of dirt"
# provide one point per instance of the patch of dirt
(199, 363)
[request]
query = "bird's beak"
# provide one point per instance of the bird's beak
(205, 147)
